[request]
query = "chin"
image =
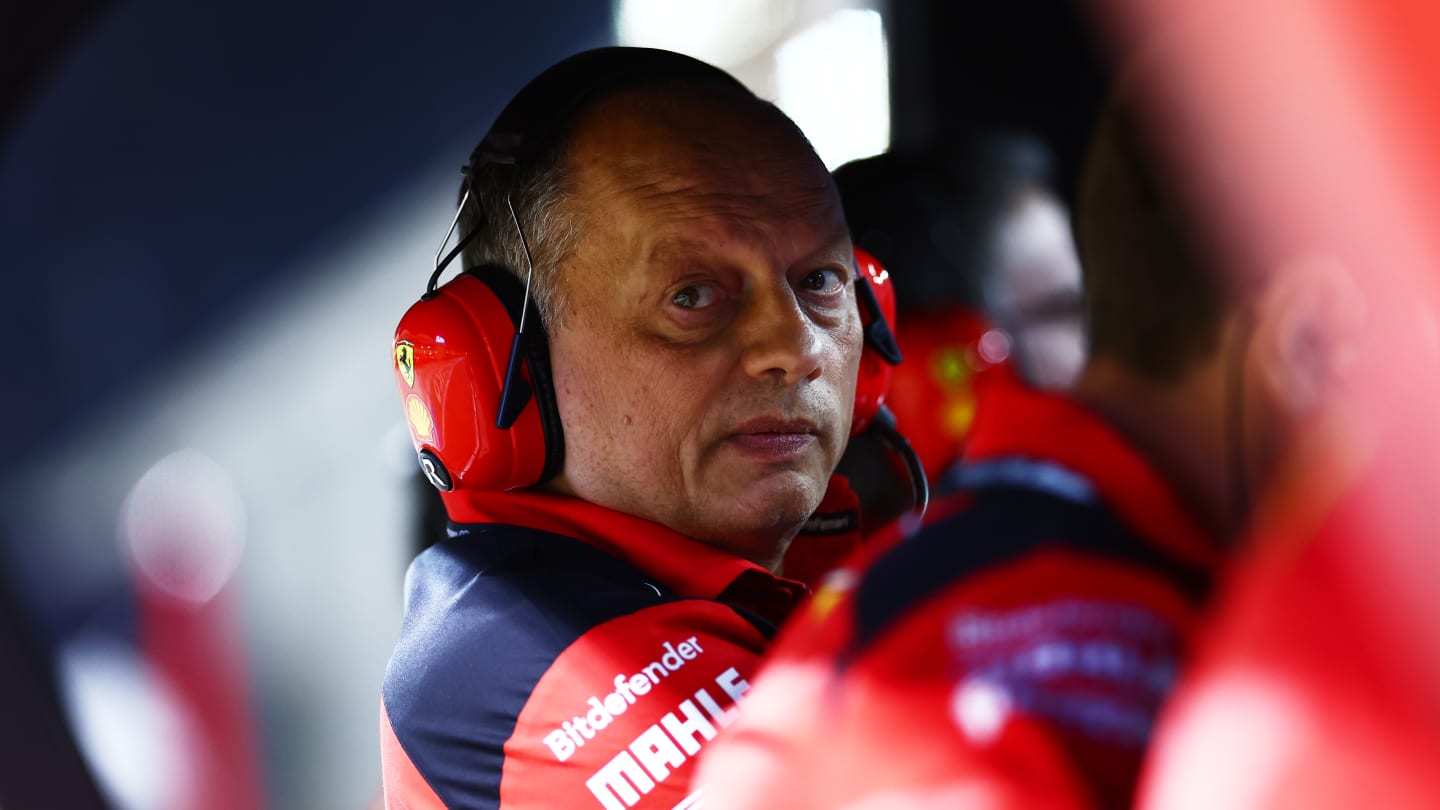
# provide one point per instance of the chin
(778, 508)
(749, 513)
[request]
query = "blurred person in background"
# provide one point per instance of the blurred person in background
(1017, 653)
(618, 554)
(1312, 686)
(1314, 682)
(988, 290)
(978, 225)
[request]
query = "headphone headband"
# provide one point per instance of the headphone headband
(536, 117)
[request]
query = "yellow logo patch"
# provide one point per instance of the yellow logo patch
(949, 368)
(405, 361)
(421, 423)
(833, 589)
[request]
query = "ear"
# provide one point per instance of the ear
(1308, 321)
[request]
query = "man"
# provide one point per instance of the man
(991, 285)
(977, 225)
(577, 641)
(1016, 654)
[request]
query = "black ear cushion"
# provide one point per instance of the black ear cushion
(878, 335)
(535, 346)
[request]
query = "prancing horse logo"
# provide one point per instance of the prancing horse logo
(405, 361)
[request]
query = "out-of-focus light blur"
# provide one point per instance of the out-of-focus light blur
(1308, 131)
(183, 527)
(833, 79)
(994, 346)
(324, 526)
(722, 32)
(207, 246)
(130, 724)
(1036, 291)
(980, 709)
(825, 64)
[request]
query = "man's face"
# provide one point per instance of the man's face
(1035, 291)
(705, 361)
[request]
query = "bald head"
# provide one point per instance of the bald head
(713, 119)
(670, 149)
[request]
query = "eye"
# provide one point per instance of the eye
(694, 296)
(825, 280)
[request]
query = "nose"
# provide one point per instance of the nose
(780, 340)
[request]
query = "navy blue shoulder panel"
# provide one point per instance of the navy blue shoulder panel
(486, 614)
(1003, 524)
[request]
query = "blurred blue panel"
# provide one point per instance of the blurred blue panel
(182, 154)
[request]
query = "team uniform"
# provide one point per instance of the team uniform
(556, 653)
(1315, 684)
(1013, 653)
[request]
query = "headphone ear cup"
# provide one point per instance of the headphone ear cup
(450, 356)
(881, 354)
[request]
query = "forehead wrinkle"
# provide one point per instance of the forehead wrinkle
(693, 219)
(783, 179)
(746, 184)
(702, 233)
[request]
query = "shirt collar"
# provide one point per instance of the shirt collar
(1013, 421)
(682, 564)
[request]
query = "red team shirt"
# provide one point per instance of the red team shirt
(1014, 653)
(1315, 683)
(558, 654)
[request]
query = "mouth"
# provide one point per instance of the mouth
(775, 440)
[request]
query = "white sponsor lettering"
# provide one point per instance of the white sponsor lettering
(655, 750)
(694, 724)
(617, 782)
(600, 711)
(734, 685)
(665, 745)
(559, 744)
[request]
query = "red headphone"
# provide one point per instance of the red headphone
(475, 385)
(876, 296)
(452, 353)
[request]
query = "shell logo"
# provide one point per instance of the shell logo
(422, 425)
